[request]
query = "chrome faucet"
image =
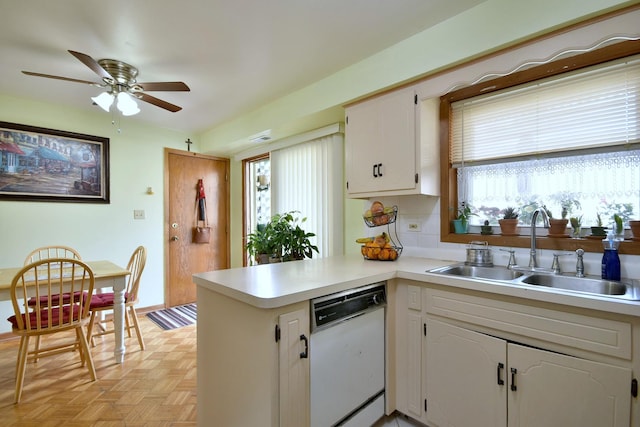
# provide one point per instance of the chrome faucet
(512, 258)
(580, 263)
(533, 259)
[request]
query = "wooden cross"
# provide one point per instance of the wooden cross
(188, 142)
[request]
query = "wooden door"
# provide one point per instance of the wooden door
(183, 257)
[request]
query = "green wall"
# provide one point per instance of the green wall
(98, 231)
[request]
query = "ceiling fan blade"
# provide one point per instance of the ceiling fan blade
(165, 86)
(49, 76)
(93, 64)
(157, 102)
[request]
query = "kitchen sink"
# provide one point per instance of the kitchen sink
(580, 284)
(588, 285)
(491, 273)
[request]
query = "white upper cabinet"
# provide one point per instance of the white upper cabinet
(392, 146)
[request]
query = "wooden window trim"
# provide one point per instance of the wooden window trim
(245, 166)
(448, 181)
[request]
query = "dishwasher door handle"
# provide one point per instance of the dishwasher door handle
(305, 353)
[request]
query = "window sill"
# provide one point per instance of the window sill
(627, 247)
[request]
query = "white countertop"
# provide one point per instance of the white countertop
(277, 285)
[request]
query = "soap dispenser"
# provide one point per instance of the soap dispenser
(610, 259)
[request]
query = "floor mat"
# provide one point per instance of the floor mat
(174, 317)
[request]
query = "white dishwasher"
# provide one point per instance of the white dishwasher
(347, 357)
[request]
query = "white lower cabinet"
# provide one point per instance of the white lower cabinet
(252, 369)
(293, 361)
(469, 360)
(473, 379)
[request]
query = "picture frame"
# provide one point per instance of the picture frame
(48, 165)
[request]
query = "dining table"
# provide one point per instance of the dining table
(106, 275)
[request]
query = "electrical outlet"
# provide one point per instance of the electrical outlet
(414, 227)
(138, 214)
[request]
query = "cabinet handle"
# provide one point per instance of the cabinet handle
(305, 353)
(500, 368)
(375, 172)
(514, 371)
(379, 169)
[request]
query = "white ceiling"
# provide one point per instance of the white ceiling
(235, 55)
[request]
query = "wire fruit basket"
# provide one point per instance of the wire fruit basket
(378, 253)
(389, 248)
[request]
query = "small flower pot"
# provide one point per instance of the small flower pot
(558, 228)
(599, 231)
(509, 227)
(635, 229)
(460, 227)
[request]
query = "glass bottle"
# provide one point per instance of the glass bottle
(610, 259)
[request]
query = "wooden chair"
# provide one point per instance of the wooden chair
(46, 280)
(46, 252)
(104, 301)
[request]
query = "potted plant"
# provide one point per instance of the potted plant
(618, 227)
(557, 227)
(509, 222)
(461, 223)
(260, 245)
(290, 241)
(576, 226)
(635, 229)
(486, 229)
(599, 229)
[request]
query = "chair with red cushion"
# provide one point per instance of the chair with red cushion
(104, 301)
(46, 252)
(46, 280)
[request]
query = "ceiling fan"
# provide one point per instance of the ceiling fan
(119, 78)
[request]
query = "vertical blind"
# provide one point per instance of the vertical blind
(598, 107)
(308, 178)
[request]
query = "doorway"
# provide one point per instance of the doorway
(183, 258)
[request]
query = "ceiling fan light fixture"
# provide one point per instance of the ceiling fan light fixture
(104, 100)
(127, 105)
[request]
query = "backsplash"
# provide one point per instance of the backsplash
(424, 212)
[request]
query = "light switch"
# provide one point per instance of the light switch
(138, 214)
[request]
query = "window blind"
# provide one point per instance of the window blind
(593, 108)
(308, 178)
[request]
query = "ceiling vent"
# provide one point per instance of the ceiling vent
(261, 137)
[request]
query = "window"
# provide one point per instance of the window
(568, 140)
(305, 175)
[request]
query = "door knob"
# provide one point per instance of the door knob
(175, 238)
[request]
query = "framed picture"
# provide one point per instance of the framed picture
(46, 165)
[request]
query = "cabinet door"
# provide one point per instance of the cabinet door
(556, 390)
(294, 369)
(465, 377)
(414, 365)
(381, 143)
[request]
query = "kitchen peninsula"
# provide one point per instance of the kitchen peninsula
(251, 320)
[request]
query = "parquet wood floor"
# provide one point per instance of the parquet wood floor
(154, 387)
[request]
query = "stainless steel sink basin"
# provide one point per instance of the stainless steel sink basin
(592, 286)
(588, 285)
(491, 273)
